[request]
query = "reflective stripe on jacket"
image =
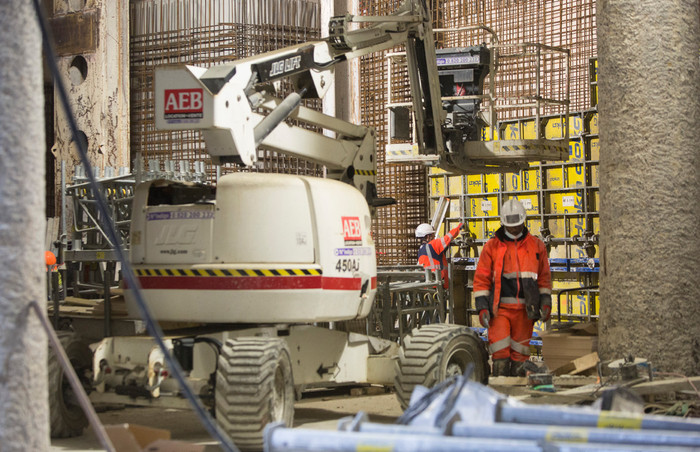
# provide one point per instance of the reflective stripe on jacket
(432, 254)
(507, 268)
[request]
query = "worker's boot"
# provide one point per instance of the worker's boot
(520, 368)
(501, 367)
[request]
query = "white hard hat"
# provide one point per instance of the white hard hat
(513, 213)
(424, 229)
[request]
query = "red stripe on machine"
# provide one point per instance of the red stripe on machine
(249, 283)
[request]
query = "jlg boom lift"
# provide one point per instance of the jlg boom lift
(256, 261)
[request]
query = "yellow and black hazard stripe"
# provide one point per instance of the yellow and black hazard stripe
(530, 147)
(409, 152)
(228, 272)
(359, 172)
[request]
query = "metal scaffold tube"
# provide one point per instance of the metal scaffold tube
(573, 416)
(539, 433)
(279, 439)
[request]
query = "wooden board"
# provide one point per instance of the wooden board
(578, 365)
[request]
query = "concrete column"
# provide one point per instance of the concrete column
(24, 417)
(649, 90)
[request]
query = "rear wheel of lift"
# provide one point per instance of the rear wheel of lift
(433, 353)
(254, 386)
(65, 413)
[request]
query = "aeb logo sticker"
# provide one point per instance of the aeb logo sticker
(184, 103)
(352, 232)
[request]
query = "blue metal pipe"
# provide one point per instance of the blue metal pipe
(590, 418)
(578, 434)
(657, 438)
(280, 439)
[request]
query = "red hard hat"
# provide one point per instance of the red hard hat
(50, 258)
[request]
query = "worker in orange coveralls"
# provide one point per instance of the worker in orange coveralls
(512, 289)
(432, 251)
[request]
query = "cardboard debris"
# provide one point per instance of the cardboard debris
(138, 438)
(560, 348)
(133, 438)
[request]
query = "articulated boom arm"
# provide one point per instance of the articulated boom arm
(235, 107)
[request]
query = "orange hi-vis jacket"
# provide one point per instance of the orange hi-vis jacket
(509, 270)
(431, 255)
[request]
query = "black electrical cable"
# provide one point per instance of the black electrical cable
(132, 282)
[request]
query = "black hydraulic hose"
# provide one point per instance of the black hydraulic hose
(132, 282)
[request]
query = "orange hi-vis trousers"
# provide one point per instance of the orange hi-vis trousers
(510, 333)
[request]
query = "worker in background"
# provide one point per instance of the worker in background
(432, 251)
(512, 289)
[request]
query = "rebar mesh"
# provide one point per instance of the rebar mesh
(205, 34)
(570, 24)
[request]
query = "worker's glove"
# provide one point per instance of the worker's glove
(545, 306)
(484, 318)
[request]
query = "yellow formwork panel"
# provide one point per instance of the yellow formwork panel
(575, 176)
(596, 226)
(455, 185)
(474, 184)
(455, 210)
(595, 149)
(511, 131)
(528, 130)
(564, 202)
(577, 226)
(523, 181)
(437, 186)
(483, 206)
(594, 174)
(533, 226)
(489, 134)
(593, 124)
(531, 202)
(512, 182)
(531, 179)
(576, 151)
(484, 229)
(554, 177)
(557, 251)
(554, 127)
(492, 183)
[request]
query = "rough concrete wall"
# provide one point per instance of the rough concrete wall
(649, 85)
(24, 415)
(93, 49)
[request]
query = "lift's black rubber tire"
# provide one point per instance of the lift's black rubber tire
(432, 353)
(254, 386)
(66, 415)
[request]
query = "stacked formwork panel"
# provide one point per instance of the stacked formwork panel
(205, 33)
(562, 199)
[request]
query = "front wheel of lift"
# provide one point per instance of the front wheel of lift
(254, 386)
(432, 353)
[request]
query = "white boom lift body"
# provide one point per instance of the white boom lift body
(261, 257)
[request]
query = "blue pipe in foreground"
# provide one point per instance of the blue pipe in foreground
(360, 423)
(577, 416)
(281, 439)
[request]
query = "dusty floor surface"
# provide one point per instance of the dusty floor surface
(319, 412)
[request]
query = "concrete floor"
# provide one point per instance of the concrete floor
(321, 411)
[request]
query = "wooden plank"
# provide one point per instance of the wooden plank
(578, 365)
(665, 386)
(77, 301)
